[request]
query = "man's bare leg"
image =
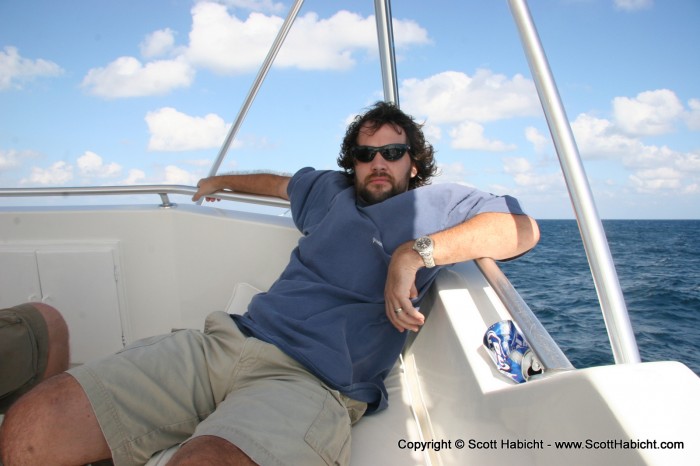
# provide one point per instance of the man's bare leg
(52, 424)
(209, 450)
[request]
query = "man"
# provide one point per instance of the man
(283, 383)
(33, 347)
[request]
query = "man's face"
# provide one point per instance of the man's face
(380, 179)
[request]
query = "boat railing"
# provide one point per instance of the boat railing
(164, 191)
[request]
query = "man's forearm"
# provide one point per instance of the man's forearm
(262, 184)
(495, 235)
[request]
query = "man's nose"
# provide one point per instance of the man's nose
(378, 162)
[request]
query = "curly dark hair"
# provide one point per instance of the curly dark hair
(377, 116)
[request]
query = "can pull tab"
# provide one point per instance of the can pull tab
(510, 352)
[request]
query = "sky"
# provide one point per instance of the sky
(143, 92)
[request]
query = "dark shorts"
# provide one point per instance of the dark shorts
(24, 343)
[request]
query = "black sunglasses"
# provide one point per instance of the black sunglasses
(390, 152)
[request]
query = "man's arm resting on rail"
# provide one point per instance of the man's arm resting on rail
(261, 184)
(495, 235)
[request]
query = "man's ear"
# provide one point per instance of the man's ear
(414, 170)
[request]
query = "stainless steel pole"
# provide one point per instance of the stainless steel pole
(387, 58)
(262, 73)
(622, 340)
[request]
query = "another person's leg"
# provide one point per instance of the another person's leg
(145, 398)
(33, 347)
(59, 348)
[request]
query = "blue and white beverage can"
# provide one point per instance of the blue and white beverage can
(510, 351)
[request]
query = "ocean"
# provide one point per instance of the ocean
(658, 264)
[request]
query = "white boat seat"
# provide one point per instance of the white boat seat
(375, 438)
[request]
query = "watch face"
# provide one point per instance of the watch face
(423, 243)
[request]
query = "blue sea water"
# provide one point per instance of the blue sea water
(658, 264)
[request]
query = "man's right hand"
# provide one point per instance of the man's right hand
(207, 186)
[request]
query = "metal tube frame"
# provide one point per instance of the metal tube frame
(253, 92)
(619, 327)
(162, 190)
(387, 56)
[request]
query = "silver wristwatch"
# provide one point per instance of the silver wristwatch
(424, 247)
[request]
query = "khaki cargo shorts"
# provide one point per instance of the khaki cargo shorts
(24, 348)
(161, 391)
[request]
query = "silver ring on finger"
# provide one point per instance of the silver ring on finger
(398, 310)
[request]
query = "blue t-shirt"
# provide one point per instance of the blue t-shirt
(326, 310)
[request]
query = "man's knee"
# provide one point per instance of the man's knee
(54, 319)
(28, 420)
(210, 450)
(58, 349)
(44, 423)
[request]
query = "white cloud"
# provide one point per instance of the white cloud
(539, 141)
(16, 70)
(222, 42)
(331, 43)
(158, 43)
(525, 176)
(432, 133)
(226, 44)
(128, 77)
(315, 43)
(470, 135)
(10, 159)
(452, 97)
(692, 189)
(454, 172)
(57, 174)
(633, 5)
(599, 138)
(172, 130)
(689, 163)
(658, 179)
(135, 176)
(517, 165)
(650, 113)
(176, 175)
(465, 101)
(406, 33)
(655, 168)
(91, 165)
(693, 116)
(255, 5)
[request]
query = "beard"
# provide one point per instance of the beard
(374, 193)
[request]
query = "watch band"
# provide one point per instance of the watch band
(424, 247)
